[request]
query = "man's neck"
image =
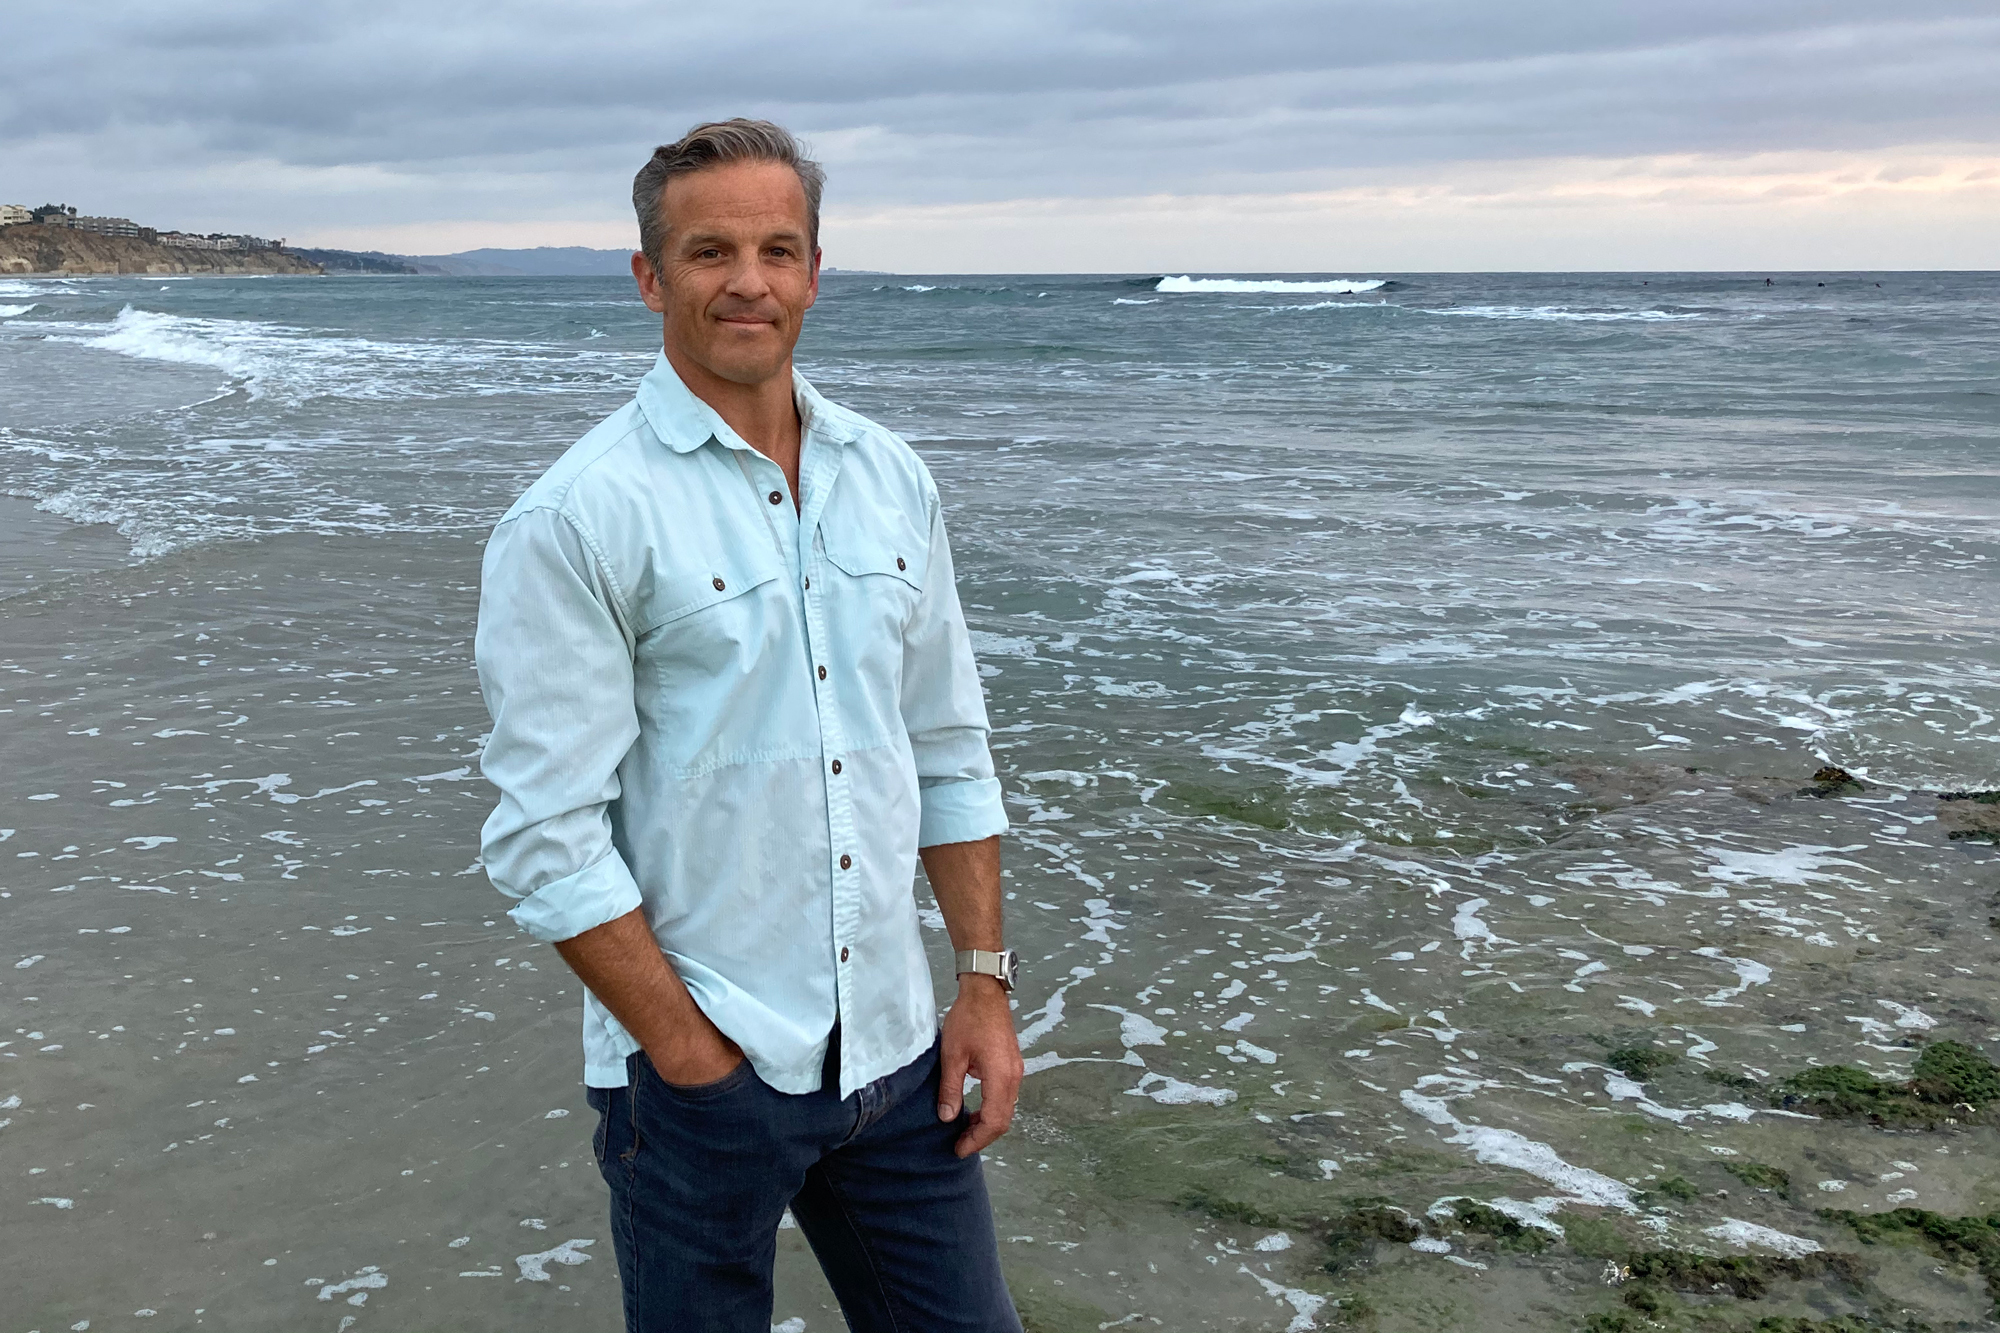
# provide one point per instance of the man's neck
(764, 414)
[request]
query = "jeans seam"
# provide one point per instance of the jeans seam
(889, 1301)
(631, 1164)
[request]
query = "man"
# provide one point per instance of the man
(733, 701)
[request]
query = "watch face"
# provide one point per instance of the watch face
(1010, 967)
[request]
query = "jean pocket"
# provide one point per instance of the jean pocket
(702, 1092)
(601, 1101)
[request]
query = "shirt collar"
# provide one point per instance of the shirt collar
(685, 423)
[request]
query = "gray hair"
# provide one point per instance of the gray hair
(715, 144)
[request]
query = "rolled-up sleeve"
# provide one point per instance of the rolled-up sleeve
(944, 710)
(555, 666)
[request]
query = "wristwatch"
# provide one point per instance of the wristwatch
(986, 963)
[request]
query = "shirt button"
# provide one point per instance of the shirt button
(836, 768)
(846, 861)
(822, 673)
(809, 584)
(843, 953)
(900, 564)
(720, 585)
(777, 497)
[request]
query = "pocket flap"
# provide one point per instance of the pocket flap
(680, 592)
(900, 557)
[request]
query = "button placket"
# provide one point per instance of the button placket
(839, 806)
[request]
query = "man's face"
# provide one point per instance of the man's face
(738, 271)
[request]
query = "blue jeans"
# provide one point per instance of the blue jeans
(701, 1176)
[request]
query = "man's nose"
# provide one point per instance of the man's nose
(746, 278)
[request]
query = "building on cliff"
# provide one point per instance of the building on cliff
(62, 249)
(113, 227)
(63, 215)
(218, 241)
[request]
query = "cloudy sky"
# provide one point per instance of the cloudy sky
(1252, 135)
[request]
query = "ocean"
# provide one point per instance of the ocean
(1471, 740)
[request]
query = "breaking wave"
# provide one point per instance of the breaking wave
(1562, 315)
(1330, 286)
(291, 364)
(225, 345)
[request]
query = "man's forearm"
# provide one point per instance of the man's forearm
(621, 963)
(965, 876)
(978, 1037)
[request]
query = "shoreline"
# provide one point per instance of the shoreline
(38, 548)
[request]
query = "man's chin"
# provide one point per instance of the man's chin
(746, 370)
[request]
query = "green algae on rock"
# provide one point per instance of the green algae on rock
(1759, 1176)
(1640, 1063)
(1833, 781)
(1746, 1277)
(1951, 1081)
(1974, 1241)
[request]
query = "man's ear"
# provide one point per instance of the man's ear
(651, 290)
(812, 292)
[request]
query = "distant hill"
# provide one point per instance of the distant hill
(544, 261)
(353, 261)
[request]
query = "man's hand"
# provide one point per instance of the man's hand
(697, 1053)
(621, 963)
(979, 1040)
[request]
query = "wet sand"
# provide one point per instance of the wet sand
(272, 1045)
(36, 547)
(269, 1036)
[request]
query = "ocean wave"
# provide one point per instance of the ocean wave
(1563, 315)
(1331, 286)
(223, 345)
(294, 364)
(1126, 300)
(1335, 305)
(16, 287)
(970, 288)
(9, 311)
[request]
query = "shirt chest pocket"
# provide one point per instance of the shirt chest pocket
(876, 577)
(873, 580)
(709, 666)
(709, 614)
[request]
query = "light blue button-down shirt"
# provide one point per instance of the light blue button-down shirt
(742, 716)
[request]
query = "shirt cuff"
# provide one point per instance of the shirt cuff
(963, 811)
(600, 892)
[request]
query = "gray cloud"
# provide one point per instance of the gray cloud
(279, 116)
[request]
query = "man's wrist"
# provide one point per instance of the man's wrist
(975, 983)
(998, 963)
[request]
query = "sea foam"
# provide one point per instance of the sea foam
(1561, 315)
(1336, 286)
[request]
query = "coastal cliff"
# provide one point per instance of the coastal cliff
(34, 248)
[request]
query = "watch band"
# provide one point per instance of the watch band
(1000, 964)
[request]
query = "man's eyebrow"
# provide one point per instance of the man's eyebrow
(696, 239)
